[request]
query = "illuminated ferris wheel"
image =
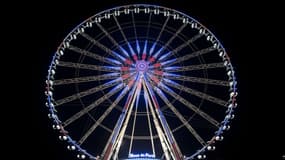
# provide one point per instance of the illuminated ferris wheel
(141, 82)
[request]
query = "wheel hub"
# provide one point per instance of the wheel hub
(141, 66)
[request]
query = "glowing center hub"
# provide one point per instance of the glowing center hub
(141, 66)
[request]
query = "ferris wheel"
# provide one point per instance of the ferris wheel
(141, 82)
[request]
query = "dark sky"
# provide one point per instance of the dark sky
(235, 24)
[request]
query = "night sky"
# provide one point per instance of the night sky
(47, 24)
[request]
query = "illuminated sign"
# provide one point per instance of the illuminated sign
(141, 155)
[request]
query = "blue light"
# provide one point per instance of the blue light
(113, 61)
(171, 75)
(168, 62)
(138, 46)
(152, 48)
(124, 51)
(164, 56)
(145, 47)
(112, 68)
(172, 68)
(118, 55)
(170, 81)
(131, 49)
(113, 81)
(158, 52)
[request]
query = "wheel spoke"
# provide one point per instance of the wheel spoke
(169, 41)
(92, 106)
(147, 35)
(181, 118)
(89, 66)
(192, 55)
(193, 67)
(134, 125)
(136, 37)
(148, 24)
(169, 62)
(93, 55)
(189, 105)
(176, 50)
(113, 40)
(159, 35)
(103, 116)
(104, 48)
(195, 92)
(196, 79)
(124, 36)
(149, 124)
(88, 92)
(144, 50)
(86, 79)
